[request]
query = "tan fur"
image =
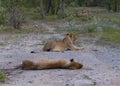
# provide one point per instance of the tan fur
(62, 45)
(84, 13)
(50, 64)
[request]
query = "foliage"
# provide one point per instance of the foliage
(2, 77)
(90, 28)
(110, 18)
(36, 16)
(25, 29)
(113, 5)
(14, 13)
(2, 44)
(85, 18)
(3, 16)
(110, 35)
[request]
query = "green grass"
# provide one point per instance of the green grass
(90, 28)
(113, 18)
(25, 30)
(52, 18)
(2, 77)
(2, 44)
(110, 35)
(36, 16)
(85, 29)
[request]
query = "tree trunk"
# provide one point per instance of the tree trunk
(0, 3)
(53, 7)
(116, 6)
(34, 3)
(95, 2)
(109, 6)
(63, 9)
(42, 10)
(48, 6)
(58, 7)
(86, 3)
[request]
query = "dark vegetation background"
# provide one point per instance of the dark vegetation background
(14, 13)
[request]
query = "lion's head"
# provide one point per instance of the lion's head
(70, 37)
(75, 65)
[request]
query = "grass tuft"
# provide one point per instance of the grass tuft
(110, 35)
(2, 77)
(24, 30)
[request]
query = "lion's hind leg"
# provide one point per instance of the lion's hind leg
(49, 45)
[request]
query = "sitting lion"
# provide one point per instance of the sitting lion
(50, 64)
(62, 45)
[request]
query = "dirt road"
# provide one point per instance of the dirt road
(101, 63)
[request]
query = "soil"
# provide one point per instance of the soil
(101, 63)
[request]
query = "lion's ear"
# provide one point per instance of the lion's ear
(71, 60)
(67, 34)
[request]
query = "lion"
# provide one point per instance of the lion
(50, 64)
(84, 12)
(62, 45)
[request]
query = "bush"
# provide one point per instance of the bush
(2, 77)
(3, 16)
(16, 17)
(90, 28)
(86, 18)
(36, 16)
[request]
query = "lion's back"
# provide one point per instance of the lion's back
(54, 45)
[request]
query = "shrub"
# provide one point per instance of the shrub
(86, 18)
(3, 16)
(2, 77)
(90, 28)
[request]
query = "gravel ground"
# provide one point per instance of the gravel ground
(101, 63)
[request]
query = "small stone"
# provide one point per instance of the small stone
(67, 85)
(32, 52)
(30, 81)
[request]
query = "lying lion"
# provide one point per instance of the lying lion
(84, 12)
(50, 64)
(62, 45)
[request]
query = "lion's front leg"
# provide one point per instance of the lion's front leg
(73, 47)
(58, 49)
